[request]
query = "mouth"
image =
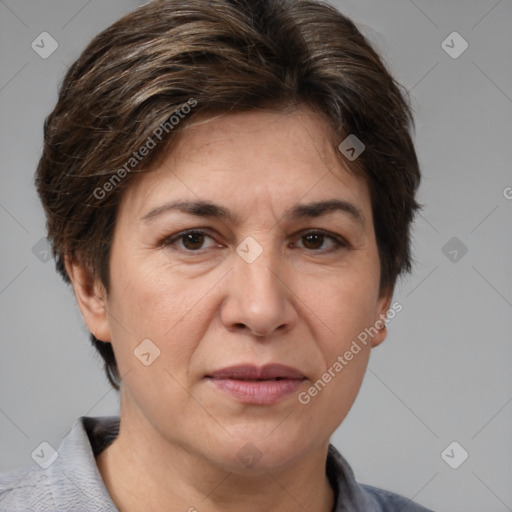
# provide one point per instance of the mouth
(255, 385)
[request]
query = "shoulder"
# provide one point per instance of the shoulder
(351, 496)
(387, 501)
(25, 489)
(68, 479)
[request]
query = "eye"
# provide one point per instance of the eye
(190, 241)
(314, 240)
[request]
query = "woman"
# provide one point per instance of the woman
(229, 187)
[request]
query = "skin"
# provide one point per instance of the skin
(300, 303)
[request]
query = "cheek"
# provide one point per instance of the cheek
(346, 303)
(346, 309)
(158, 304)
(151, 298)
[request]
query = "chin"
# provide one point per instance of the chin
(260, 449)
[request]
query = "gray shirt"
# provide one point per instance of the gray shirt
(73, 483)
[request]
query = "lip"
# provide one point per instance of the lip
(257, 385)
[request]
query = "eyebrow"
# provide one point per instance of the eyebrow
(300, 211)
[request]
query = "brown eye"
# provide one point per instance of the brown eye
(193, 241)
(188, 241)
(315, 240)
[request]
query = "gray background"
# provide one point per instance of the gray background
(442, 375)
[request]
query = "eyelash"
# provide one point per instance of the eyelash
(340, 243)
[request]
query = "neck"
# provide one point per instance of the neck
(144, 472)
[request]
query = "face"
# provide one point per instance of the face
(263, 276)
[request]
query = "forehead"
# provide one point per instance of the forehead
(251, 161)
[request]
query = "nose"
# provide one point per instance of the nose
(259, 299)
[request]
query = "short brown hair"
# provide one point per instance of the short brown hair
(224, 55)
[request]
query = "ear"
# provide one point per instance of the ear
(383, 304)
(91, 297)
